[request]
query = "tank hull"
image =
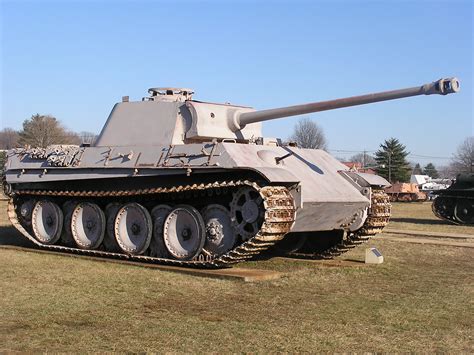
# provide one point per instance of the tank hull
(326, 199)
(314, 192)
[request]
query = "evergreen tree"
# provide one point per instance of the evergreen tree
(431, 171)
(417, 170)
(391, 161)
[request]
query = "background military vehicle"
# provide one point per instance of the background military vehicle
(178, 181)
(405, 192)
(456, 203)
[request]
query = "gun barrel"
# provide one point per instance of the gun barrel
(441, 87)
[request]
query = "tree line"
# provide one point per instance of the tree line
(41, 131)
(390, 160)
(392, 164)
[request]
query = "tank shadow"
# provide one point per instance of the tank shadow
(355, 261)
(266, 255)
(308, 163)
(420, 221)
(10, 236)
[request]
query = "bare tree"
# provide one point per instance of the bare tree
(44, 130)
(446, 172)
(8, 138)
(88, 137)
(307, 134)
(365, 159)
(72, 138)
(463, 160)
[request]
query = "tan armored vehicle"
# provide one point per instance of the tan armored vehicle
(405, 192)
(178, 181)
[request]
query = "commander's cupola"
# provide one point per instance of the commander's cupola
(169, 94)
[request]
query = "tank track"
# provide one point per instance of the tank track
(278, 220)
(377, 218)
(448, 215)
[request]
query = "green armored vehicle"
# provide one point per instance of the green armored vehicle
(456, 203)
(177, 181)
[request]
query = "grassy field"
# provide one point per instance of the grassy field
(418, 216)
(420, 299)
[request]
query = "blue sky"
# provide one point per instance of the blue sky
(75, 59)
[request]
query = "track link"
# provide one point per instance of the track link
(377, 218)
(278, 220)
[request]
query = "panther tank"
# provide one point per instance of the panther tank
(456, 203)
(177, 181)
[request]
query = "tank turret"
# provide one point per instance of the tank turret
(170, 116)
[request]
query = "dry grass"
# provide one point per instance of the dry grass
(3, 212)
(419, 300)
(418, 216)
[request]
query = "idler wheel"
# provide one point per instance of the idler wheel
(220, 234)
(26, 211)
(464, 211)
(133, 228)
(47, 222)
(444, 206)
(247, 212)
(443, 203)
(184, 232)
(88, 225)
(157, 244)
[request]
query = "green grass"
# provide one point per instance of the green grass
(420, 299)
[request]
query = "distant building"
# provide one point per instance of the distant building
(420, 179)
(358, 167)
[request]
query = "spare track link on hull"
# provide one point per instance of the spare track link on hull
(378, 217)
(278, 220)
(448, 215)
